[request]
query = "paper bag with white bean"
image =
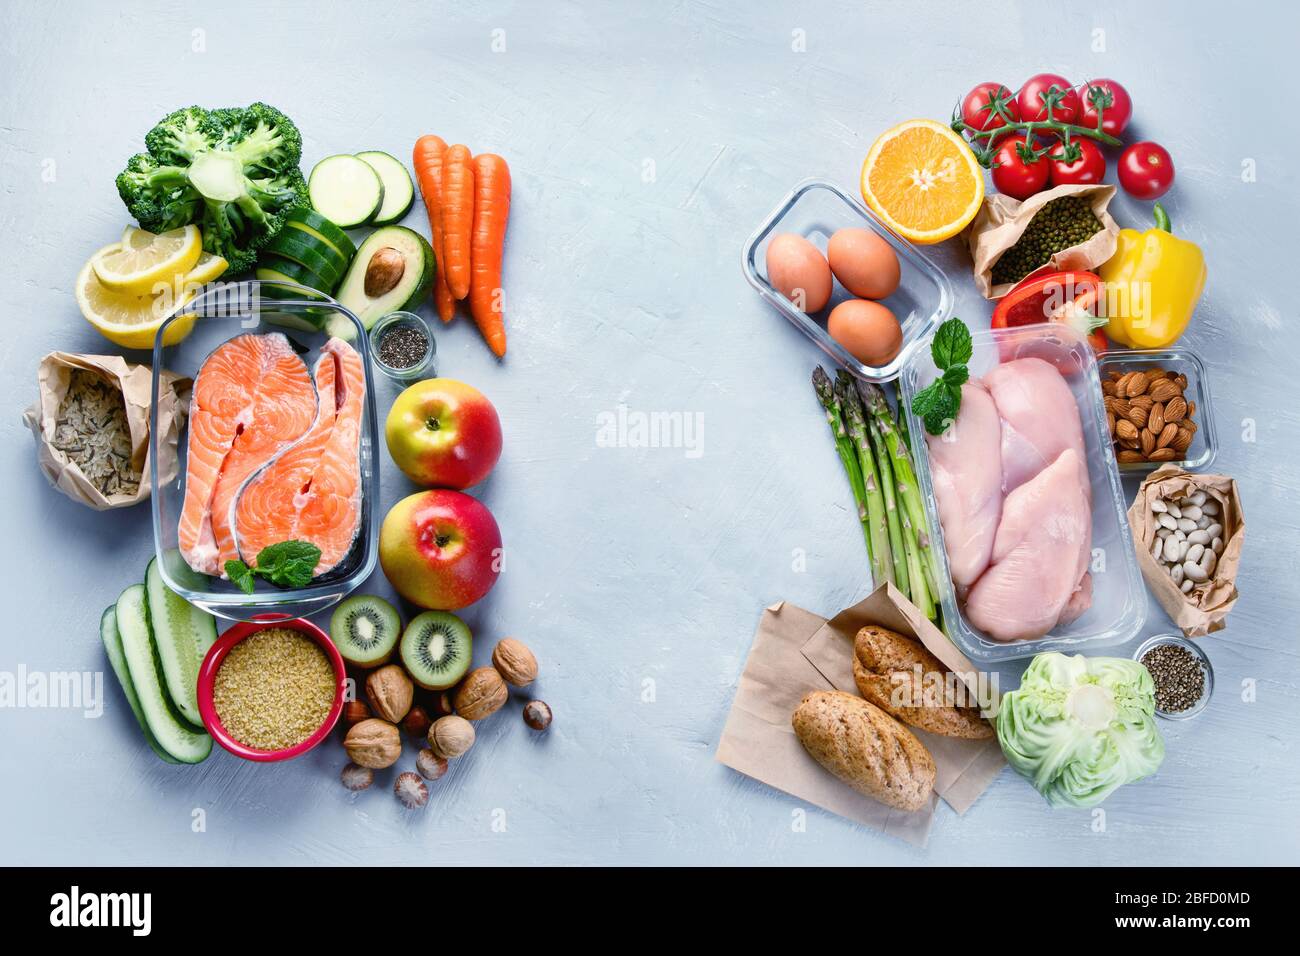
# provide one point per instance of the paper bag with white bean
(1189, 530)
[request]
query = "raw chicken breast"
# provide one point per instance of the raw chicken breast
(1040, 419)
(967, 473)
(1039, 554)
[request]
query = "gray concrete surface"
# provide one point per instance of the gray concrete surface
(645, 147)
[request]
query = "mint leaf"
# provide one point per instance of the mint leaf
(241, 575)
(936, 405)
(288, 564)
(955, 376)
(952, 344)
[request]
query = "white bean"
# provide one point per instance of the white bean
(1217, 546)
(1163, 532)
(1203, 522)
(1198, 498)
(1186, 524)
(1175, 510)
(1215, 530)
(1192, 511)
(1210, 508)
(1157, 548)
(1194, 571)
(1183, 548)
(1167, 521)
(1176, 572)
(1208, 563)
(1171, 549)
(1158, 505)
(1194, 552)
(1187, 585)
(1199, 537)
(1180, 535)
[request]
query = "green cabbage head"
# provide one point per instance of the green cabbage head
(1081, 727)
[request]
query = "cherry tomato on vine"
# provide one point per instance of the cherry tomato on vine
(1118, 106)
(1014, 174)
(1033, 107)
(1082, 164)
(1146, 170)
(977, 106)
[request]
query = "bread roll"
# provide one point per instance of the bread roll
(884, 668)
(866, 748)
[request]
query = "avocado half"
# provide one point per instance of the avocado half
(418, 272)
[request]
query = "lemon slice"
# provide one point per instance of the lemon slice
(923, 180)
(125, 319)
(208, 268)
(138, 266)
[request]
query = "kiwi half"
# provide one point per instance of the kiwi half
(365, 629)
(436, 649)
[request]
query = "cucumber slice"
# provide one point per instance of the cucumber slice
(183, 635)
(298, 321)
(186, 743)
(308, 220)
(399, 191)
(345, 190)
(117, 660)
(310, 253)
(282, 270)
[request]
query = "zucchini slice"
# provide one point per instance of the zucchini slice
(310, 253)
(399, 191)
(313, 223)
(188, 744)
(346, 190)
(282, 270)
(183, 635)
(117, 660)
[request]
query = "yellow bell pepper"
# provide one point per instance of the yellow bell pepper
(1153, 282)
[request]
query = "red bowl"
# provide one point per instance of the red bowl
(217, 654)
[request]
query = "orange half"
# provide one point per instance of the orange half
(923, 180)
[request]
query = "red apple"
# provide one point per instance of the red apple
(440, 549)
(443, 434)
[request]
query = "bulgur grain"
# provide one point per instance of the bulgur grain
(274, 689)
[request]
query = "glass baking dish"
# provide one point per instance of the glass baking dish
(815, 210)
(1205, 442)
(1119, 599)
(221, 312)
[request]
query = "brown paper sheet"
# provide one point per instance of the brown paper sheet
(795, 651)
(135, 381)
(1002, 220)
(1203, 611)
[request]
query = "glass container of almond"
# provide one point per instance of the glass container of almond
(1158, 409)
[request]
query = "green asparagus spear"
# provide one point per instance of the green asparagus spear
(909, 493)
(904, 430)
(843, 444)
(896, 548)
(882, 564)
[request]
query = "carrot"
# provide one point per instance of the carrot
(457, 209)
(491, 209)
(426, 159)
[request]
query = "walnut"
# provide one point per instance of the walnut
(450, 737)
(515, 662)
(390, 692)
(481, 695)
(374, 743)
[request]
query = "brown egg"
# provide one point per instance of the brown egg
(864, 263)
(867, 330)
(798, 270)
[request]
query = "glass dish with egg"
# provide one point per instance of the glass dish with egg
(866, 297)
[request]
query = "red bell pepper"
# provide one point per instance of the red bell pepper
(1067, 297)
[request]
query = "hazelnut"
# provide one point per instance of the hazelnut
(410, 789)
(354, 711)
(374, 743)
(384, 271)
(441, 703)
(515, 662)
(355, 777)
(430, 765)
(537, 714)
(450, 737)
(417, 722)
(390, 692)
(482, 694)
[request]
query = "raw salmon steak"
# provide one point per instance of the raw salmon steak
(312, 492)
(252, 399)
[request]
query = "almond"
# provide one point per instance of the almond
(1182, 441)
(1137, 384)
(1156, 418)
(1110, 423)
(1164, 390)
(1126, 430)
(1162, 454)
(1143, 402)
(1108, 388)
(1182, 382)
(1167, 435)
(1191, 409)
(1148, 441)
(1154, 374)
(1137, 415)
(1175, 409)
(1129, 457)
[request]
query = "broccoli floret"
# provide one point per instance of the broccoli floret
(233, 172)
